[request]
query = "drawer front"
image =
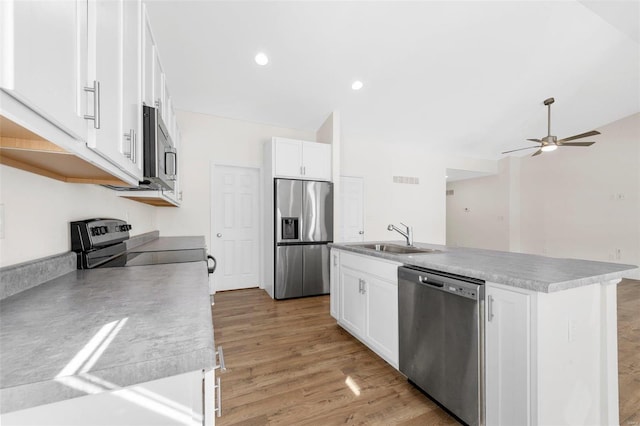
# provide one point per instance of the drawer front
(378, 267)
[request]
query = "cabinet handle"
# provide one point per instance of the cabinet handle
(134, 144)
(158, 104)
(490, 308)
(335, 260)
(304, 170)
(361, 232)
(359, 286)
(96, 104)
(220, 354)
(171, 168)
(218, 390)
(364, 287)
(131, 138)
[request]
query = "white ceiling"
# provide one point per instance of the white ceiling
(464, 78)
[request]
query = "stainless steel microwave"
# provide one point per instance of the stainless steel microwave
(160, 156)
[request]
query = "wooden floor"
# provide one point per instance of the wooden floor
(288, 363)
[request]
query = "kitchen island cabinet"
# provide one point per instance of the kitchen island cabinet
(550, 331)
(367, 298)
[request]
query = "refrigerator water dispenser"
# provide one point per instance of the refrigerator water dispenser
(290, 228)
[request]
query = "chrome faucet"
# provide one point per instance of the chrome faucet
(408, 234)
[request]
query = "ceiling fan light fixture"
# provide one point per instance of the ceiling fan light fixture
(549, 148)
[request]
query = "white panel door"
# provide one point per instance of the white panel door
(235, 227)
(287, 157)
(316, 161)
(507, 334)
(352, 208)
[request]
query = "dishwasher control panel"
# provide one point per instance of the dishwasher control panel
(470, 288)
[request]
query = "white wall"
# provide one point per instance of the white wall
(421, 206)
(574, 202)
(37, 212)
(207, 140)
(478, 211)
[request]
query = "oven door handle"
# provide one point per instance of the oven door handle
(212, 269)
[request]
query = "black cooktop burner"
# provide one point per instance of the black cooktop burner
(156, 258)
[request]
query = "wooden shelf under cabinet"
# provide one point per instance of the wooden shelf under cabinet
(22, 149)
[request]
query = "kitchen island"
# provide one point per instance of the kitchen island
(110, 346)
(550, 333)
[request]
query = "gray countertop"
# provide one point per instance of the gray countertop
(172, 243)
(94, 330)
(530, 272)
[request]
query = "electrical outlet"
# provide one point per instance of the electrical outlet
(620, 196)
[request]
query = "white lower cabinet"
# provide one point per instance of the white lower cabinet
(367, 301)
(176, 400)
(508, 356)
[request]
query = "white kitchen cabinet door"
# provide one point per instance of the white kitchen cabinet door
(43, 57)
(132, 81)
(382, 317)
(158, 81)
(316, 161)
(507, 337)
(107, 135)
(352, 302)
(334, 283)
(148, 61)
(287, 158)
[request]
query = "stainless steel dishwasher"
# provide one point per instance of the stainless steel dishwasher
(440, 320)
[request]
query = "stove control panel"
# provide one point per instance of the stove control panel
(94, 233)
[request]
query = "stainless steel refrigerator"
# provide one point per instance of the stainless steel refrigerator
(304, 226)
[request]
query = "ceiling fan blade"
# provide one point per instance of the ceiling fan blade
(535, 140)
(576, 143)
(538, 152)
(581, 135)
(520, 149)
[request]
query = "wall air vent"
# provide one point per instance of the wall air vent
(449, 191)
(406, 179)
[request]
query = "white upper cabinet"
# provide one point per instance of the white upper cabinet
(44, 66)
(148, 61)
(316, 160)
(132, 85)
(108, 67)
(301, 159)
(287, 157)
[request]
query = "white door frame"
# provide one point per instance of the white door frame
(212, 166)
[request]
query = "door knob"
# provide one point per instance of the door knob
(360, 232)
(219, 235)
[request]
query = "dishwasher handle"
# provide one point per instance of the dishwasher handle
(427, 281)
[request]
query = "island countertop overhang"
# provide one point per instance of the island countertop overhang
(530, 272)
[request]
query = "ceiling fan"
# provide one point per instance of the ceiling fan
(550, 142)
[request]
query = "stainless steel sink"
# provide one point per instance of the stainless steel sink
(397, 249)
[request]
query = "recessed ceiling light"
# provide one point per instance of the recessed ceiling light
(357, 85)
(262, 59)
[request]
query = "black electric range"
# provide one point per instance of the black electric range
(100, 243)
